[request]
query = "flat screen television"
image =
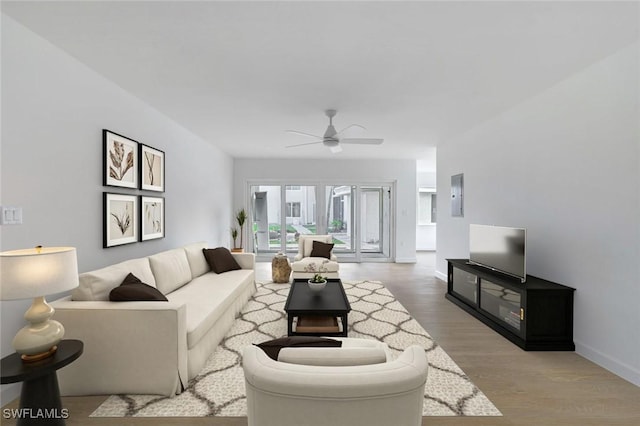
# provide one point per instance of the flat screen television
(499, 248)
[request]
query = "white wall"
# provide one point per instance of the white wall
(426, 234)
(565, 165)
(300, 171)
(53, 112)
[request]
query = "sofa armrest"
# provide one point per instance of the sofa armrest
(129, 347)
(245, 260)
(333, 257)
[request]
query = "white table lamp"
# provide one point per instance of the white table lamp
(35, 273)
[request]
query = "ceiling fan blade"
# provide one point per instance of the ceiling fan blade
(367, 141)
(303, 134)
(350, 126)
(302, 144)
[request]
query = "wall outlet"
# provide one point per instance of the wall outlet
(10, 215)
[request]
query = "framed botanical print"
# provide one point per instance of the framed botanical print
(152, 218)
(120, 160)
(120, 219)
(151, 169)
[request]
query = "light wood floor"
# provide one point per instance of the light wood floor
(529, 388)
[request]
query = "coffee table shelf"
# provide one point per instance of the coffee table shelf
(315, 324)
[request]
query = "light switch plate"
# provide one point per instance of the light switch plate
(10, 215)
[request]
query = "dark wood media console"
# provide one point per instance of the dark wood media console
(536, 315)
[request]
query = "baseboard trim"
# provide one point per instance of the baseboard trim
(406, 259)
(440, 275)
(618, 368)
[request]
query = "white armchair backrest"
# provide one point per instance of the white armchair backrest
(389, 393)
(305, 243)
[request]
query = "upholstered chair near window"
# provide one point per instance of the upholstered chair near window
(315, 256)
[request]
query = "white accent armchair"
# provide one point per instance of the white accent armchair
(305, 266)
(381, 394)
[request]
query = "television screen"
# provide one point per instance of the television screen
(499, 248)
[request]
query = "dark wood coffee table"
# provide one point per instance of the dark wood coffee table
(330, 303)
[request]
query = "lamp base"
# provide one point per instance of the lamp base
(38, 357)
(38, 340)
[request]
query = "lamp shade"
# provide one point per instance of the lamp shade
(37, 272)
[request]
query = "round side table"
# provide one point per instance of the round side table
(40, 402)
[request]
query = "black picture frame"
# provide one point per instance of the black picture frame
(151, 169)
(120, 219)
(120, 160)
(152, 218)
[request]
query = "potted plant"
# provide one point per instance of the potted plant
(234, 235)
(241, 218)
(317, 282)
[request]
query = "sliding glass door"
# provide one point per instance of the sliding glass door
(359, 217)
(280, 214)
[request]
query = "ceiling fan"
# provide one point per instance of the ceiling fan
(332, 139)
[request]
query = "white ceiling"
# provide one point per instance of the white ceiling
(414, 73)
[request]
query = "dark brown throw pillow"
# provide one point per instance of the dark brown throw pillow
(272, 347)
(321, 249)
(132, 289)
(220, 259)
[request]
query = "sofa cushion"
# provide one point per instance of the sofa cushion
(197, 262)
(321, 249)
(207, 297)
(221, 260)
(273, 347)
(132, 289)
(96, 285)
(171, 269)
(332, 356)
(315, 264)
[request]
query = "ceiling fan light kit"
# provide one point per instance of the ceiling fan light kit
(331, 138)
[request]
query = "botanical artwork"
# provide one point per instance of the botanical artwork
(120, 160)
(152, 218)
(151, 169)
(120, 219)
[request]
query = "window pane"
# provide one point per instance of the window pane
(426, 206)
(301, 213)
(371, 219)
(339, 224)
(433, 208)
(266, 218)
(293, 210)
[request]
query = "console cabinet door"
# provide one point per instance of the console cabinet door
(503, 304)
(465, 285)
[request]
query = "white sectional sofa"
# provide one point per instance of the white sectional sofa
(151, 347)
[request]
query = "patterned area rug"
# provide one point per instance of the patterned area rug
(219, 389)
